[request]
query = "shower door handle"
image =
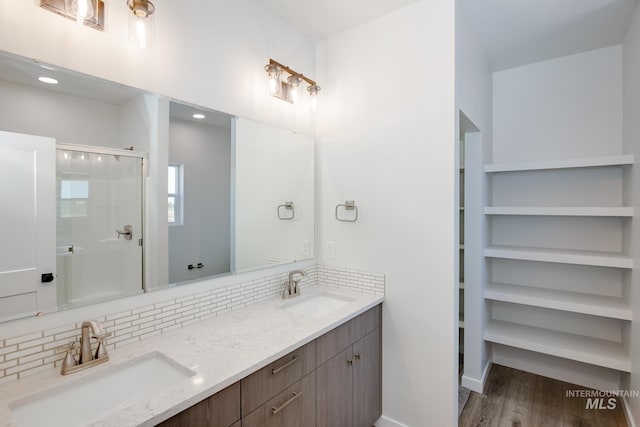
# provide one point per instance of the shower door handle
(126, 232)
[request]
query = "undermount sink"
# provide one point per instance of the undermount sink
(317, 305)
(91, 398)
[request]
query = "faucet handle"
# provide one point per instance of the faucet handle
(102, 336)
(69, 360)
(73, 345)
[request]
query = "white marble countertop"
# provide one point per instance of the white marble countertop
(221, 351)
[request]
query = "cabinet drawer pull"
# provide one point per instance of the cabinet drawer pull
(275, 371)
(358, 356)
(275, 410)
(349, 362)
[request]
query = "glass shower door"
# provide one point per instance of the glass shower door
(99, 226)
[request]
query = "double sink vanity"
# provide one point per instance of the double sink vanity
(311, 360)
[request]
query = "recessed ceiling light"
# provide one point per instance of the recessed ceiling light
(48, 80)
(198, 116)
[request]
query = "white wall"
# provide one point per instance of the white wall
(561, 108)
(207, 53)
(68, 119)
(386, 125)
(631, 108)
(205, 153)
(474, 95)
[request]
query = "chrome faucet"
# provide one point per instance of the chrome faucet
(291, 286)
(89, 329)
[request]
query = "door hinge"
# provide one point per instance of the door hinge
(139, 242)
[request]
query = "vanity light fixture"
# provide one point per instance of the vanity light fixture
(48, 80)
(141, 22)
(198, 116)
(84, 12)
(291, 89)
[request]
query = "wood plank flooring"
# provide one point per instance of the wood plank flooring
(515, 398)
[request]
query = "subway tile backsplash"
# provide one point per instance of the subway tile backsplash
(34, 352)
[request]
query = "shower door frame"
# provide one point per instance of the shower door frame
(92, 149)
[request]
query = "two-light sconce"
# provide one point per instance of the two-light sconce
(91, 14)
(291, 88)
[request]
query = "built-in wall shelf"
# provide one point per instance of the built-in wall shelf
(562, 256)
(585, 162)
(584, 349)
(560, 211)
(596, 305)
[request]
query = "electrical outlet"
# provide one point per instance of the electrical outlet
(330, 250)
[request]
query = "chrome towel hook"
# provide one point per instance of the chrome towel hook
(286, 206)
(348, 205)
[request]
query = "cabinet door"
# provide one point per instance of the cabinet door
(220, 410)
(335, 391)
(367, 390)
(294, 407)
(266, 383)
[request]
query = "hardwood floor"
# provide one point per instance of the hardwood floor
(515, 398)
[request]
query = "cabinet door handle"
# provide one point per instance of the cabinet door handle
(275, 410)
(275, 371)
(357, 356)
(349, 362)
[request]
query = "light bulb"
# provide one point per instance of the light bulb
(141, 33)
(81, 10)
(314, 103)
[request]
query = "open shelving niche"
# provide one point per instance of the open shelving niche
(589, 351)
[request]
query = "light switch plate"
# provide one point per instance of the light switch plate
(330, 250)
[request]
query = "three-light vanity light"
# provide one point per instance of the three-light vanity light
(91, 13)
(291, 88)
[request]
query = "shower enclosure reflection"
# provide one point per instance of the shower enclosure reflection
(98, 225)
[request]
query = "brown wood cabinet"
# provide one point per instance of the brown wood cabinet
(334, 381)
(294, 407)
(264, 384)
(220, 410)
(349, 382)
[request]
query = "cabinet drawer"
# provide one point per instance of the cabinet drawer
(294, 407)
(266, 383)
(333, 342)
(220, 410)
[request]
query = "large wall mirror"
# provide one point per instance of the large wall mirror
(81, 191)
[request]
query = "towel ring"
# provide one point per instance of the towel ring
(348, 205)
(286, 206)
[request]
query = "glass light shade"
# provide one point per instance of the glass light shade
(295, 89)
(81, 9)
(273, 73)
(141, 22)
(313, 93)
(141, 30)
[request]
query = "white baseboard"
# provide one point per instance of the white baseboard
(627, 412)
(388, 422)
(475, 384)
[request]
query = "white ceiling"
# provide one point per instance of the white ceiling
(320, 19)
(519, 32)
(513, 32)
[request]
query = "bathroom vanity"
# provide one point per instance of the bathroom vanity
(332, 381)
(313, 360)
